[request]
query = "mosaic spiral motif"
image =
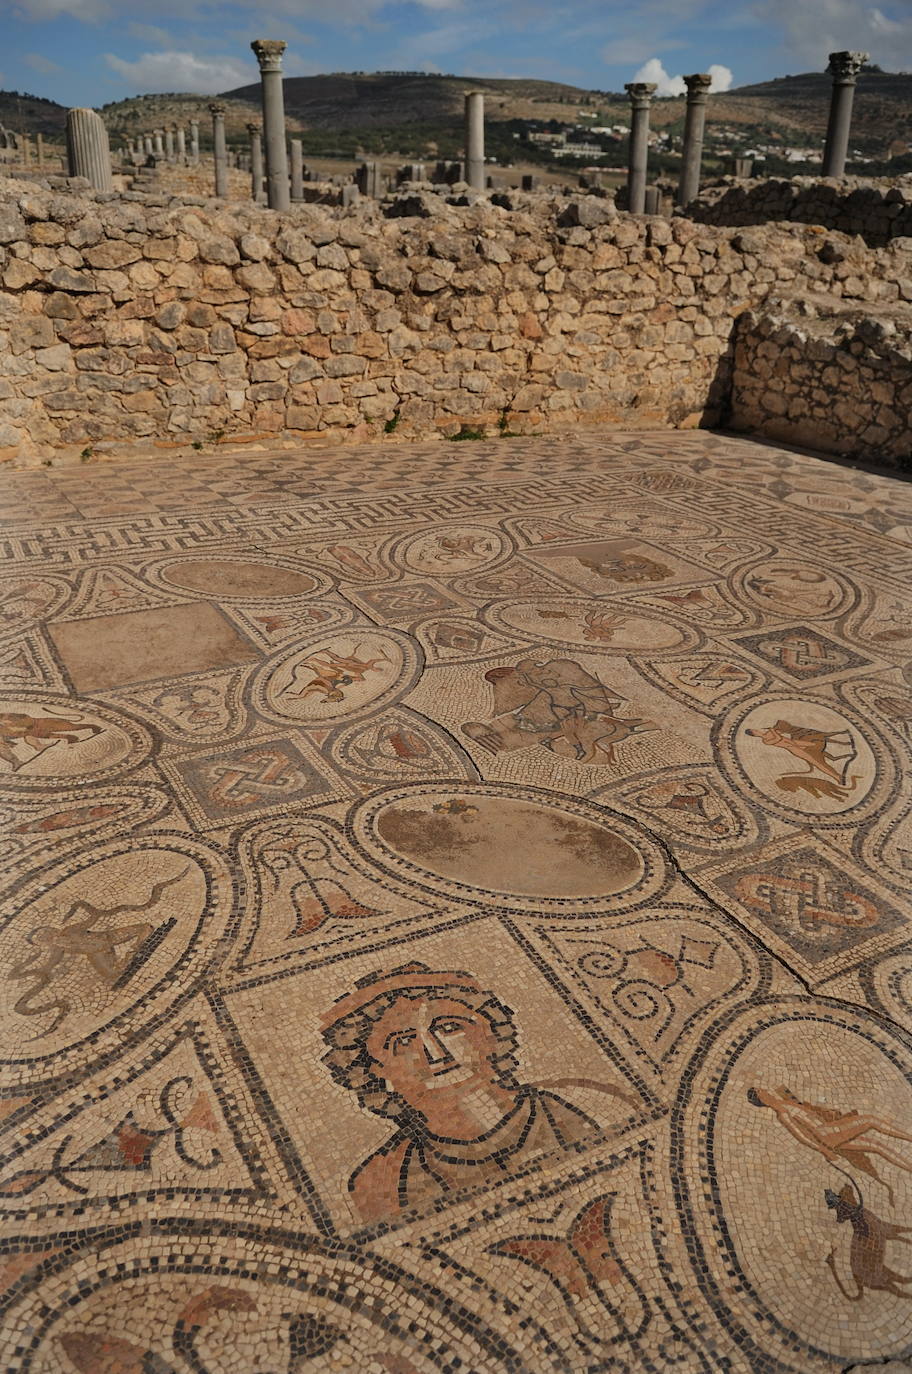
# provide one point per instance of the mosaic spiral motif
(461, 925)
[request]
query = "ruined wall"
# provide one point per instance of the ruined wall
(121, 319)
(878, 210)
(843, 384)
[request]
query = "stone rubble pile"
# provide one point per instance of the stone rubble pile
(124, 319)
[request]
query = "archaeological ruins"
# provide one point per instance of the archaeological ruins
(456, 676)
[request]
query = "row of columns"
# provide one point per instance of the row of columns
(843, 67)
(168, 143)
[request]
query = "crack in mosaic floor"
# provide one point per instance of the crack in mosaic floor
(456, 911)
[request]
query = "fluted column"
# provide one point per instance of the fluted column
(694, 124)
(256, 160)
(474, 140)
(88, 151)
(844, 68)
(640, 93)
(194, 141)
(269, 55)
(297, 169)
(220, 150)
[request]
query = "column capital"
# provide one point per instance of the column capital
(269, 53)
(844, 67)
(217, 108)
(253, 128)
(697, 86)
(640, 93)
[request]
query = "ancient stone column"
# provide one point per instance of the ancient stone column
(39, 145)
(844, 68)
(297, 169)
(220, 150)
(256, 160)
(194, 141)
(652, 201)
(169, 144)
(269, 55)
(694, 124)
(474, 140)
(88, 151)
(148, 145)
(159, 145)
(640, 93)
(181, 146)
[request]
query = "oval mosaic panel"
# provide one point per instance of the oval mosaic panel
(796, 1180)
(222, 1299)
(450, 549)
(103, 942)
(517, 846)
(796, 588)
(343, 675)
(581, 622)
(237, 578)
(46, 740)
(805, 757)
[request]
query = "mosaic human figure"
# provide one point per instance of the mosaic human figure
(436, 1053)
(838, 1135)
(830, 752)
(547, 702)
(333, 673)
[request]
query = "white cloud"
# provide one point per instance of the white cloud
(722, 78)
(674, 85)
(664, 84)
(182, 71)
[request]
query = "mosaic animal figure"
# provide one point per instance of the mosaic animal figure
(867, 1252)
(38, 732)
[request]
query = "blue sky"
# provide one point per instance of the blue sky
(89, 52)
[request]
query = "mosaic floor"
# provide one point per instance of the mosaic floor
(456, 912)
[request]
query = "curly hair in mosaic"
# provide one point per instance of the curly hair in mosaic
(349, 1060)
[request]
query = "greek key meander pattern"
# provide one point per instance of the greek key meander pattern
(456, 912)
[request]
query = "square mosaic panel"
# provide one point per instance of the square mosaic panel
(803, 653)
(141, 646)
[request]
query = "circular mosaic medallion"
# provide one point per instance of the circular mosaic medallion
(103, 942)
(806, 757)
(46, 740)
(342, 675)
(451, 549)
(219, 1299)
(798, 1163)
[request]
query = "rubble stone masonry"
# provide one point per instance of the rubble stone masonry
(123, 319)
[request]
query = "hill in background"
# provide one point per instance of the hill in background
(357, 114)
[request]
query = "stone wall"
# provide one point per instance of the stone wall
(879, 210)
(839, 383)
(123, 319)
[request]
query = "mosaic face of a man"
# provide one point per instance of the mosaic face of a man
(430, 1044)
